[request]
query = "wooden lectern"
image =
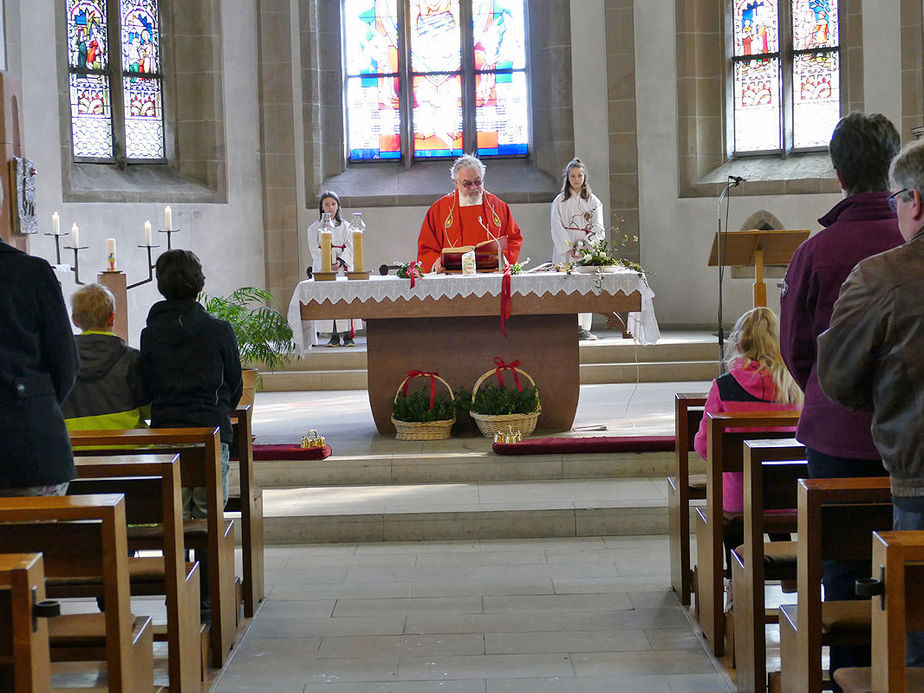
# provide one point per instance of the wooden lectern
(753, 248)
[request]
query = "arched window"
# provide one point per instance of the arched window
(429, 78)
(785, 74)
(115, 81)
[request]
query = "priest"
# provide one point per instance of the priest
(466, 216)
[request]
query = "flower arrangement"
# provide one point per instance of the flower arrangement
(405, 268)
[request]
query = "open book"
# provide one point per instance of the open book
(487, 254)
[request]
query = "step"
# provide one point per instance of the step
(485, 510)
(461, 467)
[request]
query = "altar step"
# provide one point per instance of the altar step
(475, 510)
(678, 357)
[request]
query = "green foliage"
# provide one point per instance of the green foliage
(415, 406)
(263, 334)
(403, 271)
(599, 254)
(492, 399)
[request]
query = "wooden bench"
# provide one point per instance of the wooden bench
(83, 537)
(25, 664)
(248, 501)
(772, 469)
(683, 487)
(200, 465)
(898, 565)
(151, 486)
(725, 454)
(836, 520)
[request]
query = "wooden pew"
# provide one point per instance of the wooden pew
(248, 500)
(725, 454)
(151, 486)
(898, 567)
(200, 464)
(25, 664)
(836, 520)
(682, 487)
(772, 469)
(84, 537)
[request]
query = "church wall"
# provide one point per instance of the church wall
(676, 233)
(227, 236)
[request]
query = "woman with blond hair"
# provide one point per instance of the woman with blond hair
(757, 380)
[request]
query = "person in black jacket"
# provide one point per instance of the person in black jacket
(192, 370)
(38, 366)
(189, 362)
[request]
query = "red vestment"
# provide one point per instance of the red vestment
(448, 225)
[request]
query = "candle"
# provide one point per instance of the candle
(147, 233)
(168, 218)
(55, 224)
(110, 252)
(75, 239)
(325, 251)
(357, 251)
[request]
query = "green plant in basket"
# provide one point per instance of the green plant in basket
(492, 399)
(415, 406)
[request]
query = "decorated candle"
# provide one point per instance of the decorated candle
(110, 252)
(147, 233)
(168, 218)
(325, 251)
(55, 224)
(75, 238)
(357, 251)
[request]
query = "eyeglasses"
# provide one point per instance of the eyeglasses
(893, 199)
(471, 183)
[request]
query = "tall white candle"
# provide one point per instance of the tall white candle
(110, 247)
(357, 251)
(55, 224)
(147, 233)
(168, 218)
(75, 238)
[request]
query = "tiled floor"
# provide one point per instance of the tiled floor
(571, 615)
(555, 615)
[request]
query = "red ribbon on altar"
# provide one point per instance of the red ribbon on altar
(414, 374)
(505, 299)
(414, 272)
(501, 366)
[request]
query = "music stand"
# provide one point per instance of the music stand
(754, 248)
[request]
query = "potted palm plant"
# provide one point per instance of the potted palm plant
(264, 336)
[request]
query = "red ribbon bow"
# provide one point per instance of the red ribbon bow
(505, 299)
(414, 374)
(512, 366)
(414, 272)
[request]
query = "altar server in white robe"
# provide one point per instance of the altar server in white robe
(577, 222)
(342, 252)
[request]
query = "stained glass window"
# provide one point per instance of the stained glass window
(804, 58)
(128, 118)
(464, 84)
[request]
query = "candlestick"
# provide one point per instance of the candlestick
(75, 237)
(168, 218)
(325, 251)
(55, 223)
(110, 253)
(147, 233)
(357, 251)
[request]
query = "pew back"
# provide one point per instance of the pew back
(24, 657)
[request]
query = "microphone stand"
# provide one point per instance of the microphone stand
(720, 239)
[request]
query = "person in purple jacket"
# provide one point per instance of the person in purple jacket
(838, 441)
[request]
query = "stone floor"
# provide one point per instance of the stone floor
(574, 615)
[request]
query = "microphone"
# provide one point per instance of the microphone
(737, 180)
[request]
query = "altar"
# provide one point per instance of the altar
(451, 324)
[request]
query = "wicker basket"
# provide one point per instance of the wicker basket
(489, 424)
(423, 430)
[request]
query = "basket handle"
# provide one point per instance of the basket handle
(434, 376)
(509, 366)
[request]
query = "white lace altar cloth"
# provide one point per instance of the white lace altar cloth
(642, 325)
